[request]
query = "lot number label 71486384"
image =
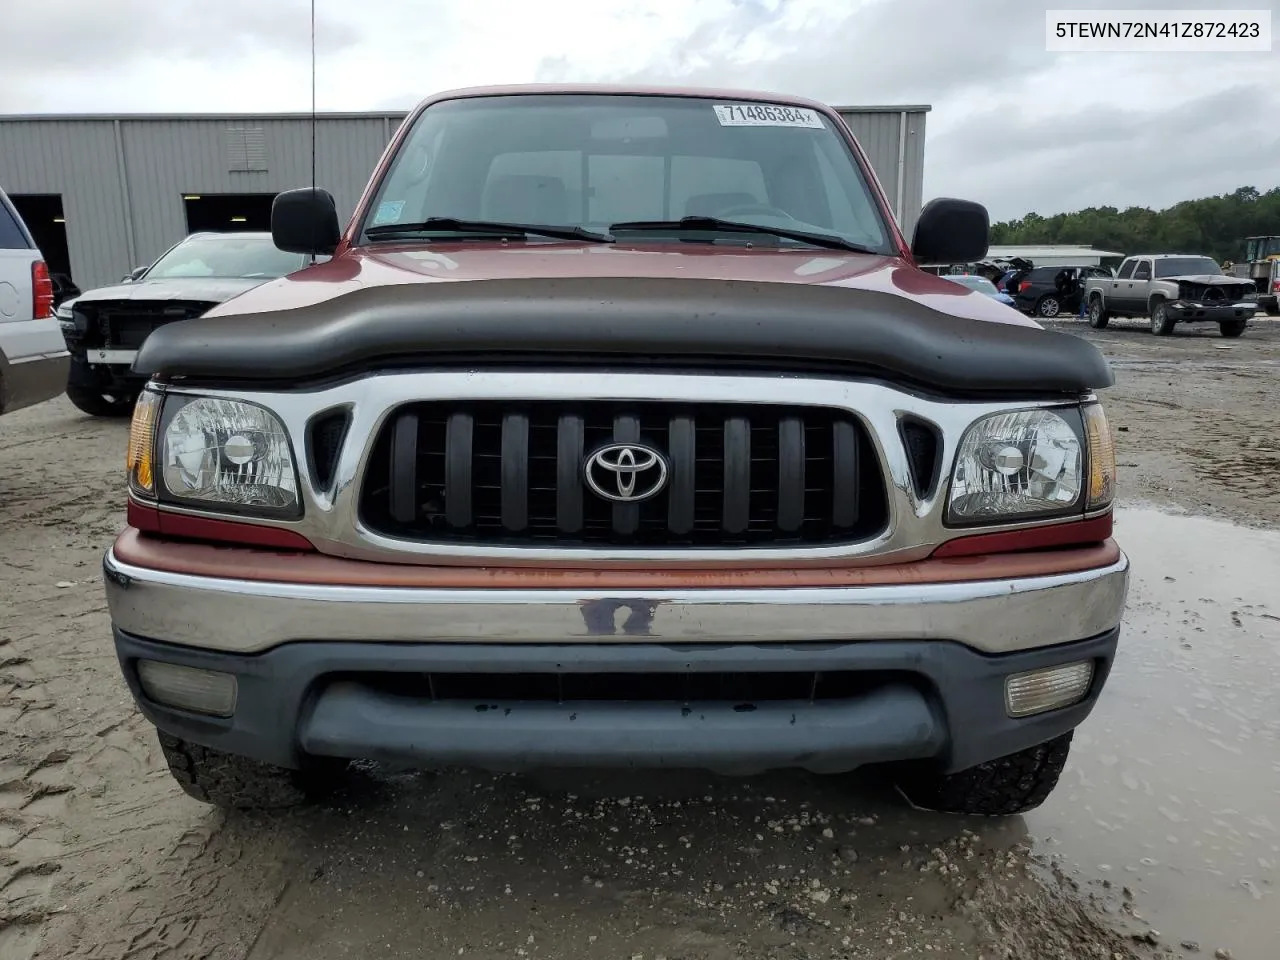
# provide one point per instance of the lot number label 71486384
(766, 115)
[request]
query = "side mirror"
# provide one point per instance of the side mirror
(305, 221)
(951, 231)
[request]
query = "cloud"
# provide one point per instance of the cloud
(873, 51)
(1172, 130)
(1012, 126)
(141, 55)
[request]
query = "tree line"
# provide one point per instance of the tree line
(1215, 226)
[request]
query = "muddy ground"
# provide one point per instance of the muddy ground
(101, 856)
(1196, 418)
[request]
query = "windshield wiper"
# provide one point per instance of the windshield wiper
(517, 231)
(734, 226)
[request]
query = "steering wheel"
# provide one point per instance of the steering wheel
(749, 208)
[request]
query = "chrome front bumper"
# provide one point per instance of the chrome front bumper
(249, 617)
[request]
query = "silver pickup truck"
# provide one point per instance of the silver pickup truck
(1170, 289)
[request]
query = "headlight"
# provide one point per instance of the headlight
(1016, 465)
(64, 311)
(219, 451)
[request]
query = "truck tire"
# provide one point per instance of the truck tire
(1098, 317)
(1232, 328)
(84, 394)
(231, 782)
(1273, 310)
(998, 788)
(1161, 323)
(1048, 306)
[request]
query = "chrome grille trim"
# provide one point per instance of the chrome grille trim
(331, 521)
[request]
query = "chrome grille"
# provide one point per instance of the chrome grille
(511, 472)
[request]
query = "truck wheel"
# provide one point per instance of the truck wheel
(1048, 307)
(225, 780)
(84, 394)
(1161, 322)
(1273, 310)
(1232, 328)
(998, 788)
(1098, 317)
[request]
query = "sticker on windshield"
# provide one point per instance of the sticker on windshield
(766, 115)
(388, 212)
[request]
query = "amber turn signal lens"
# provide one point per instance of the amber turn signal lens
(140, 458)
(1102, 458)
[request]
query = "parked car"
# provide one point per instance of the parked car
(105, 327)
(981, 285)
(1009, 271)
(1172, 288)
(621, 429)
(1056, 290)
(33, 358)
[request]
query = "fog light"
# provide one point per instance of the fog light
(1048, 688)
(189, 688)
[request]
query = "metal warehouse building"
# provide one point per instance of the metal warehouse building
(105, 194)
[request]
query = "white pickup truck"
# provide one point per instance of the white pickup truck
(33, 355)
(1169, 289)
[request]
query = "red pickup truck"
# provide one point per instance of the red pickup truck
(620, 429)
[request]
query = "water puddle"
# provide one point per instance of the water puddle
(1173, 789)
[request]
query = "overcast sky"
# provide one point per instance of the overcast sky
(1012, 126)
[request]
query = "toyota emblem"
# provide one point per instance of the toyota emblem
(626, 472)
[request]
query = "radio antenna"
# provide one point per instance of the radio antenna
(313, 103)
(313, 94)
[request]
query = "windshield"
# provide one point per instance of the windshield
(226, 256)
(981, 284)
(593, 161)
(1187, 267)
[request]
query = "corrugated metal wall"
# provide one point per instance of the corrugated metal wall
(893, 138)
(77, 159)
(165, 160)
(122, 179)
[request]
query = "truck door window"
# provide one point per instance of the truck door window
(852, 214)
(1126, 270)
(1143, 270)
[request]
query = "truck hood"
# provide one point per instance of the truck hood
(853, 315)
(389, 265)
(1208, 279)
(204, 289)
